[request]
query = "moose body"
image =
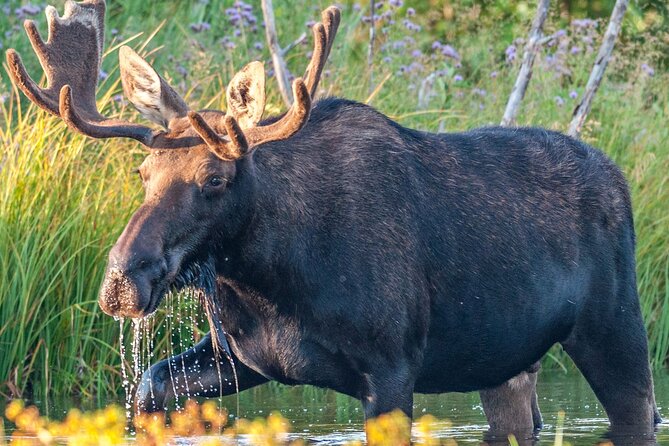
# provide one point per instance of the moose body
(336, 248)
(378, 261)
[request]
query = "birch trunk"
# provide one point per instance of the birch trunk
(370, 52)
(583, 108)
(525, 73)
(280, 69)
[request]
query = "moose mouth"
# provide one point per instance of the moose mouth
(136, 296)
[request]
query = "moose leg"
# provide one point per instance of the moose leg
(194, 372)
(386, 391)
(609, 345)
(513, 406)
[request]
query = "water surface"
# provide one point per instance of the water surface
(328, 418)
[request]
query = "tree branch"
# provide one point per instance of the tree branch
(280, 69)
(583, 108)
(525, 73)
(372, 37)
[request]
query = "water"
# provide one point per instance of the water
(328, 418)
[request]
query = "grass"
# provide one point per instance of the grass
(64, 199)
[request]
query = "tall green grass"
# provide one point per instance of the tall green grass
(64, 199)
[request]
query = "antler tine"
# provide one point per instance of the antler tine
(226, 150)
(293, 120)
(331, 18)
(71, 59)
(240, 141)
(289, 124)
(324, 34)
(109, 128)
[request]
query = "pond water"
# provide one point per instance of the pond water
(328, 418)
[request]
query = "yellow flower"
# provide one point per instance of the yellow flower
(13, 409)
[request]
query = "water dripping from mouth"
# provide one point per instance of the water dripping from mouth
(124, 372)
(180, 306)
(219, 343)
(169, 316)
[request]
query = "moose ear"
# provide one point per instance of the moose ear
(246, 95)
(147, 91)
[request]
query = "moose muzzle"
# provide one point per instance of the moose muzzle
(136, 276)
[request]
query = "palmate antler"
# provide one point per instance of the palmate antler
(239, 141)
(71, 59)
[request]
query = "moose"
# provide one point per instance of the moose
(337, 248)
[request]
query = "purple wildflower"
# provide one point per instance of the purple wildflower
(584, 23)
(27, 10)
(257, 46)
(411, 12)
(493, 74)
(510, 53)
(436, 45)
(559, 101)
(103, 75)
(397, 44)
(449, 51)
(573, 94)
(396, 3)
(648, 69)
(575, 50)
(199, 27)
(416, 54)
(458, 78)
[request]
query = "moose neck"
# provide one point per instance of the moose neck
(271, 210)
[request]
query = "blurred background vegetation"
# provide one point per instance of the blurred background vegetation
(438, 66)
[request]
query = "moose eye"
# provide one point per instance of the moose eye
(215, 181)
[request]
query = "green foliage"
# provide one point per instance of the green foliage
(64, 199)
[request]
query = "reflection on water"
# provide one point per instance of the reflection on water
(328, 418)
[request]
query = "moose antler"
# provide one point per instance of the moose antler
(71, 59)
(239, 141)
(324, 34)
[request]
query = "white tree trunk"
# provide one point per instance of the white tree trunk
(370, 52)
(583, 108)
(525, 73)
(280, 69)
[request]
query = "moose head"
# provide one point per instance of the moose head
(196, 176)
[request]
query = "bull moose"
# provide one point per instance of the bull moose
(339, 249)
